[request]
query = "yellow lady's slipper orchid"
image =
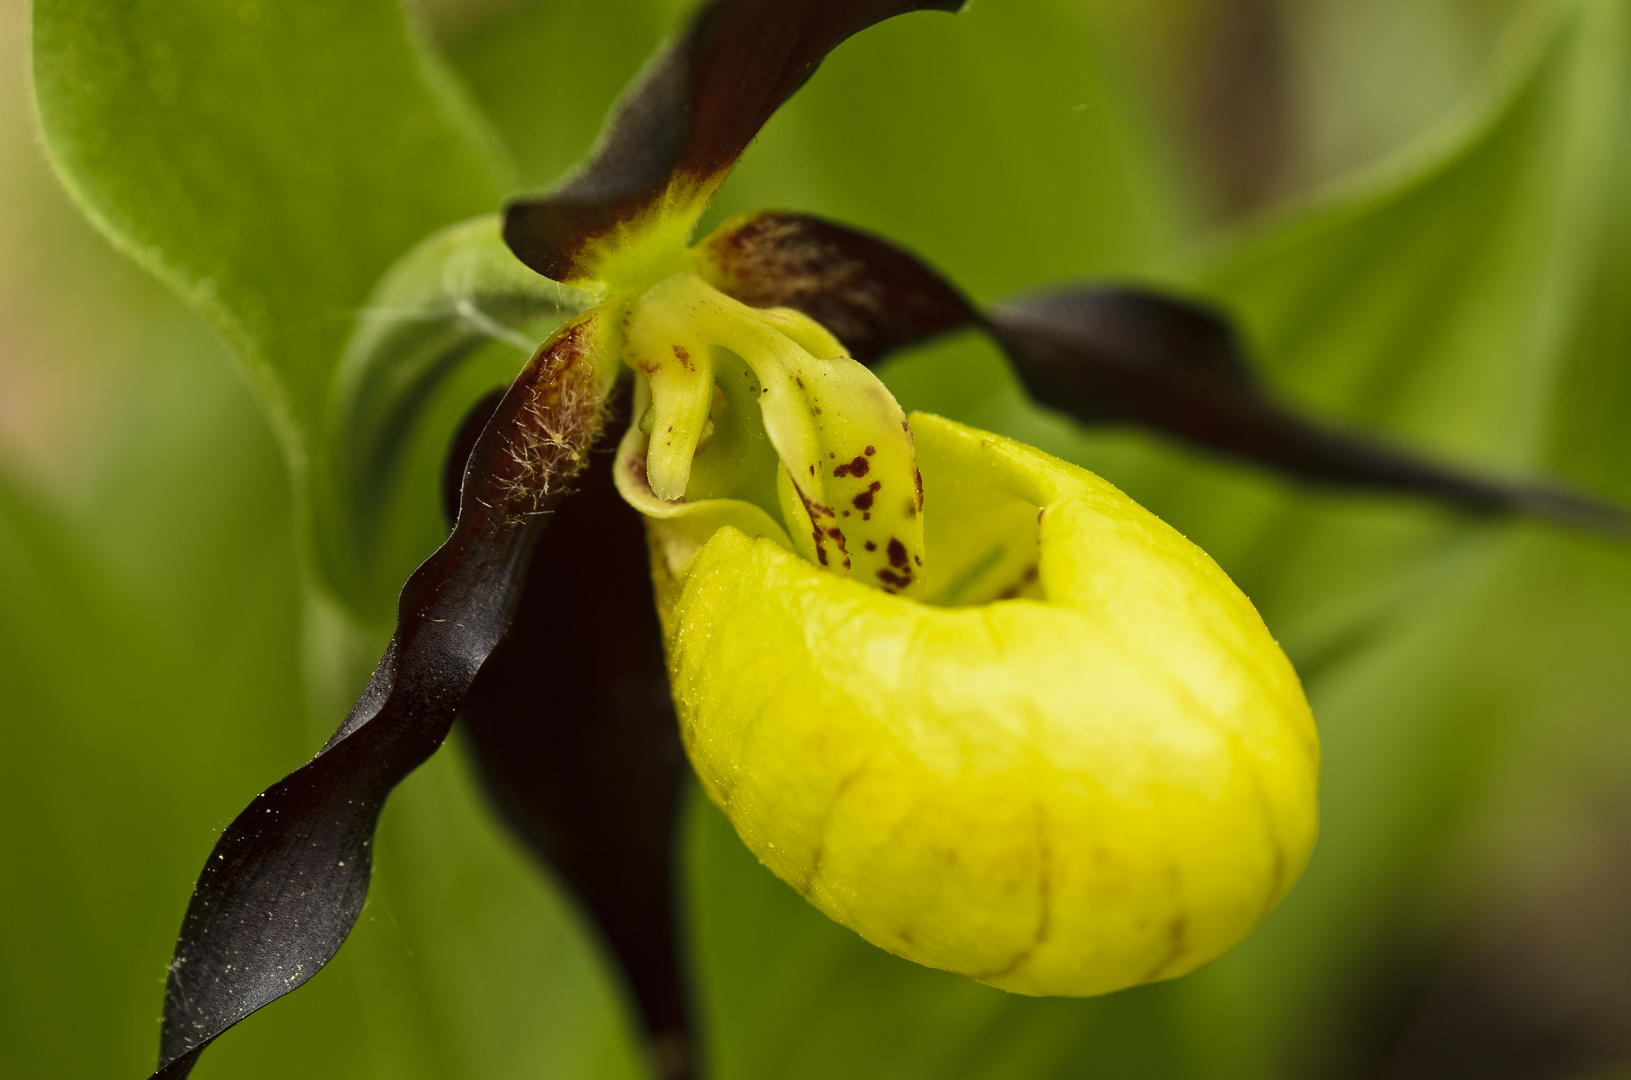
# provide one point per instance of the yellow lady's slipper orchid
(971, 701)
(1071, 760)
(1103, 785)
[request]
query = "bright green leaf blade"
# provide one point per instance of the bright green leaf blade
(268, 160)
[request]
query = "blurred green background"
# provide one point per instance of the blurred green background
(1418, 210)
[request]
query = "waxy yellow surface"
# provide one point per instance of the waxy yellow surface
(1104, 779)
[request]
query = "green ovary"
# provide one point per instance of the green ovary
(1070, 760)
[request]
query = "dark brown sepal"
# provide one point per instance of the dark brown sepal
(872, 295)
(678, 130)
(1111, 355)
(574, 734)
(285, 882)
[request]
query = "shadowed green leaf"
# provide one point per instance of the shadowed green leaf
(268, 160)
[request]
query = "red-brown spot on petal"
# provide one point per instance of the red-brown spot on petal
(897, 555)
(859, 467)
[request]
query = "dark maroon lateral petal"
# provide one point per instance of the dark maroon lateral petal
(285, 882)
(872, 295)
(685, 121)
(1103, 355)
(1115, 355)
(573, 732)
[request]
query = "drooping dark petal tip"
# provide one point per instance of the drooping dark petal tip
(588, 770)
(1116, 355)
(872, 295)
(681, 126)
(285, 882)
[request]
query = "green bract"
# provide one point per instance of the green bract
(1079, 764)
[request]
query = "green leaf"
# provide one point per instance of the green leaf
(267, 160)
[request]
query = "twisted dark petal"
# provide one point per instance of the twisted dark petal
(574, 733)
(286, 880)
(1103, 355)
(686, 119)
(872, 295)
(1113, 355)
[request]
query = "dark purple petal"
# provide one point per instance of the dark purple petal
(286, 880)
(574, 734)
(872, 295)
(1111, 355)
(685, 121)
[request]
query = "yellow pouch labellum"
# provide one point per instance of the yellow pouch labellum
(1083, 764)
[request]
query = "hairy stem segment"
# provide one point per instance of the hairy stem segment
(287, 879)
